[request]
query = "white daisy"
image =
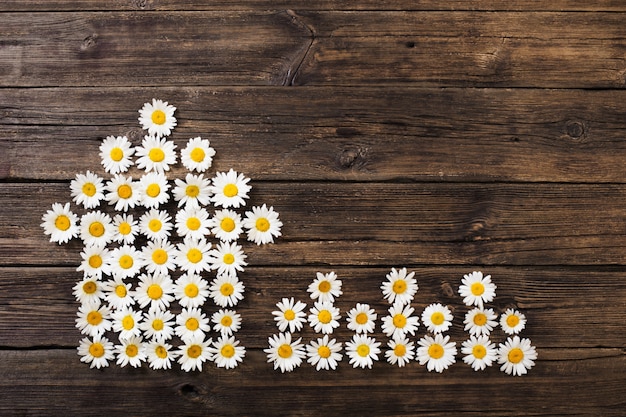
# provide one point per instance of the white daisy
(96, 228)
(93, 319)
(324, 353)
(227, 258)
(516, 355)
(362, 351)
(479, 352)
(125, 228)
(193, 256)
(230, 189)
(95, 261)
(290, 314)
(157, 118)
(400, 321)
(262, 225)
(436, 353)
(60, 223)
(399, 286)
(126, 322)
(87, 189)
(118, 294)
(226, 322)
(437, 318)
(160, 354)
(401, 351)
(284, 353)
(226, 225)
(122, 192)
(192, 222)
(131, 352)
(480, 321)
(476, 289)
(197, 155)
(226, 290)
(156, 224)
(125, 261)
(115, 154)
(191, 290)
(194, 353)
(156, 154)
(157, 290)
(158, 324)
(226, 352)
(153, 189)
(88, 290)
(362, 318)
(191, 322)
(512, 321)
(158, 257)
(324, 317)
(97, 352)
(193, 192)
(325, 287)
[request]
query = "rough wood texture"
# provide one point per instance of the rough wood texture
(441, 136)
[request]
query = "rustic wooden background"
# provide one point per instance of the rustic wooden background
(441, 136)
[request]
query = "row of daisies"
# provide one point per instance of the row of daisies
(435, 350)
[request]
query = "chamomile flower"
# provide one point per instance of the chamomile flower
(156, 154)
(229, 189)
(325, 287)
(226, 352)
(193, 192)
(131, 351)
(324, 353)
(158, 257)
(437, 318)
(226, 225)
(285, 353)
(125, 261)
(436, 353)
(192, 322)
(156, 290)
(516, 355)
(156, 224)
(153, 189)
(324, 317)
(87, 189)
(194, 353)
(158, 324)
(476, 289)
(97, 352)
(191, 290)
(226, 290)
(362, 318)
(480, 321)
(116, 154)
(479, 352)
(193, 255)
(122, 192)
(93, 319)
(118, 294)
(262, 225)
(400, 321)
(95, 261)
(400, 287)
(197, 155)
(88, 290)
(126, 322)
(192, 222)
(290, 314)
(512, 321)
(160, 354)
(227, 258)
(401, 351)
(362, 351)
(226, 322)
(96, 228)
(157, 117)
(125, 228)
(60, 223)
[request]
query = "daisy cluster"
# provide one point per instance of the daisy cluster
(148, 271)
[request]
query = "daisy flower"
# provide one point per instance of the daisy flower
(153, 189)
(125, 261)
(399, 286)
(191, 290)
(60, 223)
(401, 351)
(226, 322)
(512, 321)
(131, 352)
(227, 258)
(93, 319)
(479, 352)
(362, 351)
(516, 355)
(88, 290)
(157, 117)
(436, 353)
(226, 352)
(437, 318)
(325, 287)
(362, 318)
(118, 294)
(97, 352)
(226, 225)
(284, 353)
(95, 261)
(156, 290)
(156, 154)
(476, 289)
(229, 189)
(289, 314)
(324, 317)
(122, 192)
(197, 155)
(158, 324)
(400, 321)
(193, 255)
(192, 222)
(115, 154)
(156, 224)
(126, 322)
(324, 353)
(480, 321)
(194, 353)
(226, 290)
(192, 322)
(160, 354)
(125, 228)
(193, 192)
(262, 225)
(87, 189)
(158, 257)
(96, 228)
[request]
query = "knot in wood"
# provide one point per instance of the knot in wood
(575, 129)
(348, 158)
(89, 42)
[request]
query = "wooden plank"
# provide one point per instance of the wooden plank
(306, 133)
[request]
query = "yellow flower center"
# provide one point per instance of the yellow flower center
(399, 287)
(262, 224)
(399, 321)
(477, 289)
(89, 189)
(516, 355)
(435, 351)
(512, 320)
(125, 191)
(324, 316)
(480, 319)
(229, 258)
(155, 291)
(156, 155)
(192, 191)
(226, 321)
(95, 261)
(197, 155)
(324, 352)
(124, 228)
(194, 255)
(192, 324)
(155, 225)
(227, 351)
(161, 352)
(194, 351)
(363, 350)
(128, 322)
(285, 351)
(230, 190)
(191, 290)
(227, 224)
(94, 318)
(90, 287)
(159, 256)
(193, 223)
(479, 351)
(116, 154)
(437, 318)
(96, 229)
(153, 190)
(96, 350)
(399, 350)
(227, 289)
(132, 351)
(324, 286)
(290, 314)
(157, 324)
(120, 291)
(361, 318)
(158, 117)
(62, 222)
(126, 261)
